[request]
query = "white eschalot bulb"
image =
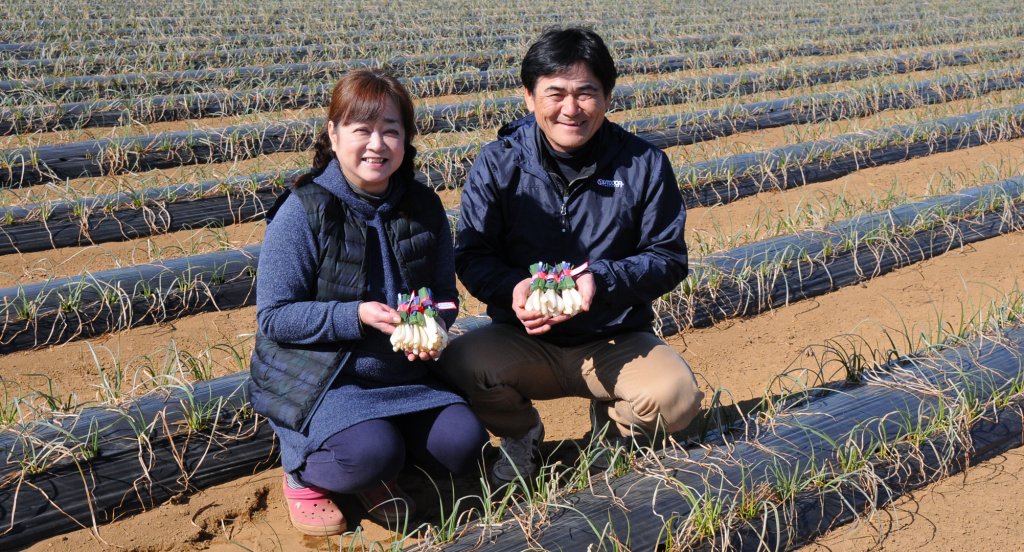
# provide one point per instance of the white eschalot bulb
(417, 338)
(533, 301)
(569, 304)
(577, 300)
(436, 335)
(551, 303)
(398, 337)
(431, 327)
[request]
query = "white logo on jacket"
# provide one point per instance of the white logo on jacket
(610, 183)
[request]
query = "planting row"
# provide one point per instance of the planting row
(137, 456)
(29, 166)
(434, 16)
(62, 310)
(179, 434)
(777, 271)
(151, 211)
(161, 64)
(80, 89)
(721, 20)
(729, 178)
(147, 62)
(184, 45)
(89, 88)
(514, 24)
(181, 47)
(825, 458)
(92, 113)
(767, 273)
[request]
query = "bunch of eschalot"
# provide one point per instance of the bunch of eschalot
(553, 290)
(419, 330)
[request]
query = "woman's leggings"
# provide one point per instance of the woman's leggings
(447, 439)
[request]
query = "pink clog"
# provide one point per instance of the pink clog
(313, 512)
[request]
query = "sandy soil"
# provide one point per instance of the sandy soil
(741, 356)
(977, 511)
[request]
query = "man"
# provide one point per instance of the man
(564, 184)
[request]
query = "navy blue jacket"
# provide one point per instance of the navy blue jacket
(627, 219)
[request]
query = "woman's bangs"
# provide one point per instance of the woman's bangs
(366, 106)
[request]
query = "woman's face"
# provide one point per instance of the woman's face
(370, 152)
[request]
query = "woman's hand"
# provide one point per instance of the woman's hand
(378, 316)
(384, 318)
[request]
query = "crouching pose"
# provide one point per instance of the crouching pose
(566, 185)
(351, 234)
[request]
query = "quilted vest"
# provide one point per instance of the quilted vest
(288, 381)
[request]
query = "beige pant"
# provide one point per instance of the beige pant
(636, 379)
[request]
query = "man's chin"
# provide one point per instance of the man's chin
(569, 143)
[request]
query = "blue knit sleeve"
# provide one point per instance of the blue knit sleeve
(286, 307)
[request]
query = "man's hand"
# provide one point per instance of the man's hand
(378, 316)
(534, 322)
(586, 285)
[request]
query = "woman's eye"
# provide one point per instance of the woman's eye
(391, 132)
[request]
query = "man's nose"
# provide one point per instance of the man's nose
(570, 105)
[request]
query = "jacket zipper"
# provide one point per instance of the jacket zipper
(566, 193)
(564, 213)
(327, 387)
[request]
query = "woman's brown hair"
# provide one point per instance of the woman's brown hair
(361, 96)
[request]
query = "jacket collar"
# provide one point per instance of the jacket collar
(333, 180)
(523, 135)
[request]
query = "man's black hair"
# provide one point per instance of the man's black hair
(559, 49)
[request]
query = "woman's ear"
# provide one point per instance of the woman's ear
(331, 127)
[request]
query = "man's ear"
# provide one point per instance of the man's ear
(528, 96)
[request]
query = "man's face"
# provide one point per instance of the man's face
(569, 106)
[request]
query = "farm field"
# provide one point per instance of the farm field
(854, 179)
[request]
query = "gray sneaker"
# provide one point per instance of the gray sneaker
(609, 451)
(613, 453)
(516, 456)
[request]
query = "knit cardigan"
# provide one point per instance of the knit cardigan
(375, 382)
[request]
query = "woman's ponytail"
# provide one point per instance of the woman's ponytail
(323, 154)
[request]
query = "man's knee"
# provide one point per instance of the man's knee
(680, 405)
(665, 407)
(666, 398)
(469, 362)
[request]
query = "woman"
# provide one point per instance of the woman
(351, 234)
